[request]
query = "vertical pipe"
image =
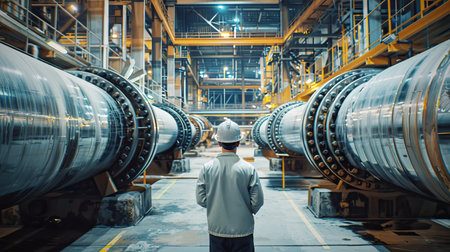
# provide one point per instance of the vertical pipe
(105, 32)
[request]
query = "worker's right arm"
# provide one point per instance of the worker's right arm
(201, 189)
(256, 192)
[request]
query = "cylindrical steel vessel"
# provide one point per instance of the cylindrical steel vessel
(203, 129)
(167, 126)
(397, 125)
(258, 132)
(370, 128)
(58, 129)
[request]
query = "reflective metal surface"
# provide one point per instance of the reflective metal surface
(373, 129)
(257, 132)
(396, 126)
(290, 126)
(203, 129)
(263, 132)
(167, 130)
(56, 129)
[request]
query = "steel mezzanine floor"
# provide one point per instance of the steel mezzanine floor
(284, 223)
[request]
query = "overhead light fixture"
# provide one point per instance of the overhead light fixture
(220, 7)
(114, 35)
(225, 34)
(74, 7)
(225, 68)
(236, 20)
(389, 39)
(57, 46)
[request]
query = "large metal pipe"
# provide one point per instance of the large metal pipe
(371, 128)
(58, 129)
(203, 129)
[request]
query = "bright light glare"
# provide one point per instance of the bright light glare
(225, 34)
(236, 20)
(205, 76)
(115, 35)
(57, 46)
(220, 7)
(74, 7)
(309, 81)
(225, 68)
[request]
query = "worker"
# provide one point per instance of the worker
(229, 188)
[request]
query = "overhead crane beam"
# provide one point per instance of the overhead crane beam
(229, 41)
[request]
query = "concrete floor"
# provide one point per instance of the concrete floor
(284, 223)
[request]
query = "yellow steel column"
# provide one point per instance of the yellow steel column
(389, 16)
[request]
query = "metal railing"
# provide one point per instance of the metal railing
(359, 40)
(79, 41)
(248, 34)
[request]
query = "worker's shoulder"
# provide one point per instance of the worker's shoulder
(209, 164)
(244, 164)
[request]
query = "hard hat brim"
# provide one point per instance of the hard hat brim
(240, 138)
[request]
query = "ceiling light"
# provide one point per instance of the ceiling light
(220, 7)
(57, 46)
(225, 68)
(74, 7)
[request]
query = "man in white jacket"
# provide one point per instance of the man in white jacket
(229, 189)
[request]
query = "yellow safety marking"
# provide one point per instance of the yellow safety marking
(308, 224)
(112, 242)
(165, 190)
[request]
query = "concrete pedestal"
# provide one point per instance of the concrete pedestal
(124, 208)
(353, 203)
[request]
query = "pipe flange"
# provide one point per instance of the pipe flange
(273, 128)
(198, 133)
(331, 156)
(362, 179)
(314, 141)
(256, 133)
(145, 134)
(184, 137)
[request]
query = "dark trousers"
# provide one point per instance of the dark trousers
(222, 244)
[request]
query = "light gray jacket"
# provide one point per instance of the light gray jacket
(230, 190)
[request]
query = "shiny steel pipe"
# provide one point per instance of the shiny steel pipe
(57, 129)
(259, 132)
(203, 129)
(373, 129)
(284, 131)
(397, 125)
(60, 128)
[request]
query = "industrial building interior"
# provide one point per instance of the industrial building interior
(109, 109)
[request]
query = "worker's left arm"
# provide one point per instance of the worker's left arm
(200, 191)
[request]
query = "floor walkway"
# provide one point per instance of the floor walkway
(177, 223)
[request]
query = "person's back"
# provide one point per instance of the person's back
(230, 190)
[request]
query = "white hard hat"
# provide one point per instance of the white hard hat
(228, 132)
